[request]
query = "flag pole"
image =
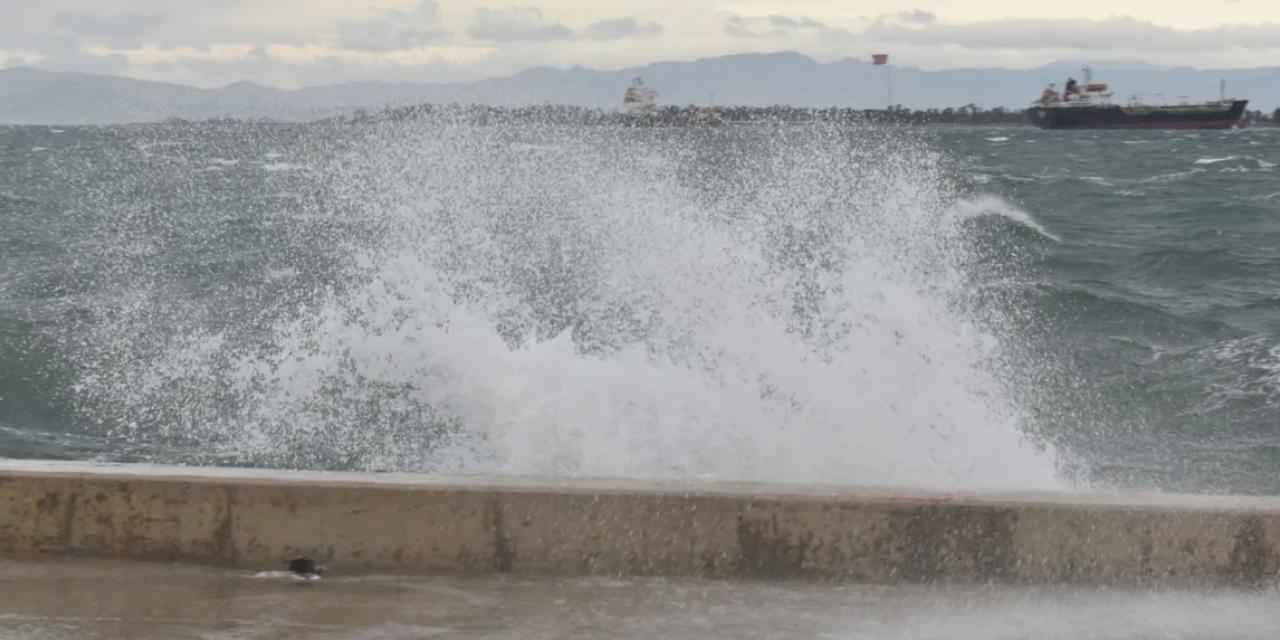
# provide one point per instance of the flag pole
(882, 60)
(888, 74)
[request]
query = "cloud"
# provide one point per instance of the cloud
(517, 24)
(917, 16)
(394, 30)
(789, 23)
(70, 56)
(320, 41)
(770, 26)
(116, 28)
(417, 56)
(527, 24)
(620, 28)
(1114, 34)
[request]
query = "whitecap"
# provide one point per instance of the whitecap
(994, 206)
(1253, 363)
(1017, 178)
(525, 146)
(282, 166)
(1172, 177)
(1238, 163)
(285, 273)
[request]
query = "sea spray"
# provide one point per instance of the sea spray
(783, 304)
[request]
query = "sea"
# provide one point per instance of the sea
(836, 303)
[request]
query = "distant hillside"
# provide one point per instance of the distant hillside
(31, 96)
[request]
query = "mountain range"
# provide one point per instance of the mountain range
(33, 96)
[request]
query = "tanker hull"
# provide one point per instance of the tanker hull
(1211, 115)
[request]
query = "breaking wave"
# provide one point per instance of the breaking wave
(988, 205)
(784, 305)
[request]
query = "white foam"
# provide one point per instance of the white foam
(285, 575)
(1250, 372)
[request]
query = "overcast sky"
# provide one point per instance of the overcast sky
(290, 43)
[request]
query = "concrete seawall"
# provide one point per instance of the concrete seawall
(480, 525)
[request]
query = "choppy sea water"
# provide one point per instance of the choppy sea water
(942, 307)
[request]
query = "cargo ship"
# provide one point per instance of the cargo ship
(1090, 107)
(639, 99)
(640, 106)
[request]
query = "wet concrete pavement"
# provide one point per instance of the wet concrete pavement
(98, 600)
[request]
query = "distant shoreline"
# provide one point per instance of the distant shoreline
(662, 117)
(30, 95)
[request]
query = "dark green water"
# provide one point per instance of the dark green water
(792, 303)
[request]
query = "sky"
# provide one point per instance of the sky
(291, 43)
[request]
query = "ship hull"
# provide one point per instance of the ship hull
(1205, 116)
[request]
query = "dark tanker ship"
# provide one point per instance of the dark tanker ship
(1090, 107)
